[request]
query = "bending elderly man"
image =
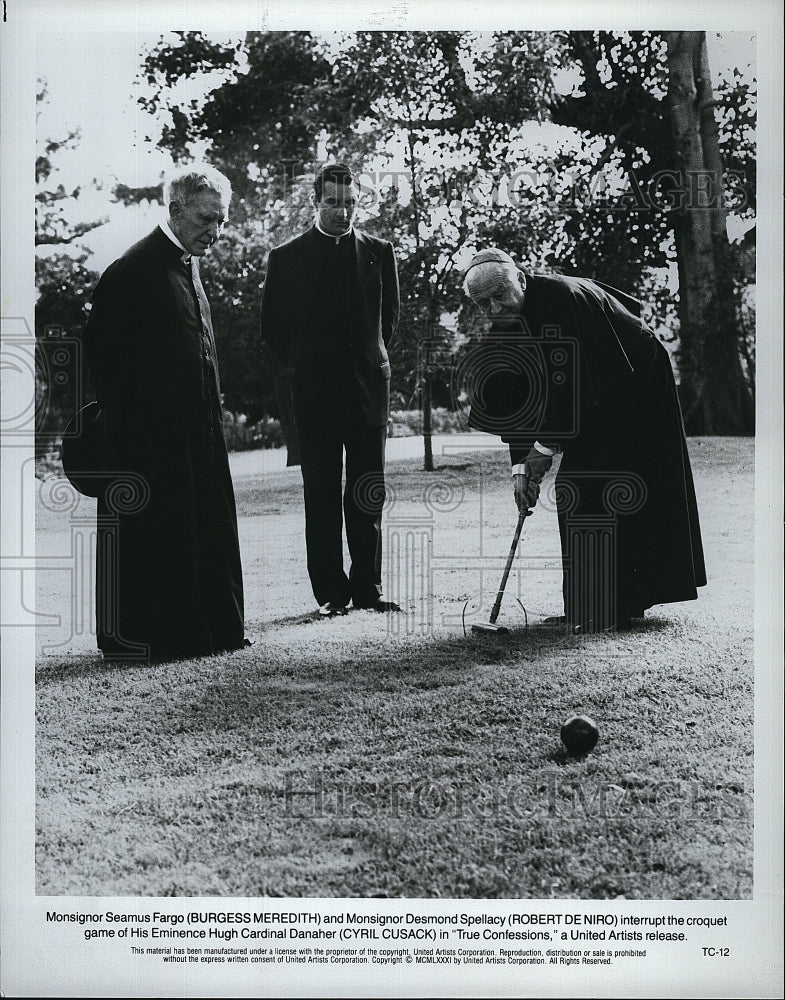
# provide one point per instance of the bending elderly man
(568, 364)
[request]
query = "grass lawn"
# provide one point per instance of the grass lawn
(393, 756)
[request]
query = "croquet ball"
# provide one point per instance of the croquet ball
(579, 734)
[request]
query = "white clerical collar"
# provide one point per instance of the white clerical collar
(332, 236)
(166, 229)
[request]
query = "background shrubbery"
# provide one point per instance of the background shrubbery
(266, 433)
(243, 436)
(408, 423)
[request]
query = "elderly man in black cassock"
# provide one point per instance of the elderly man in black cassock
(569, 365)
(169, 579)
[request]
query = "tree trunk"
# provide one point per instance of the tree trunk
(715, 396)
(734, 396)
(426, 422)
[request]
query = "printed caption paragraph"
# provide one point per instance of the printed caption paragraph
(348, 938)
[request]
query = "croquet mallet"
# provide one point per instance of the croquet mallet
(490, 625)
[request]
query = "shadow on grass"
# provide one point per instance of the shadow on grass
(49, 669)
(499, 648)
(302, 619)
(562, 758)
(548, 635)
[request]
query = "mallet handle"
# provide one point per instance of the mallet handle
(498, 602)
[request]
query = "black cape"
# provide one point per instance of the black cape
(168, 572)
(581, 371)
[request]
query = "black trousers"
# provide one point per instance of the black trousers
(329, 422)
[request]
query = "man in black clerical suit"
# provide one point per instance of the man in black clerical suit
(569, 364)
(169, 580)
(329, 310)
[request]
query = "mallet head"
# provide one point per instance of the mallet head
(484, 628)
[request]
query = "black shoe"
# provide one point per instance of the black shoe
(382, 606)
(248, 642)
(332, 609)
(589, 628)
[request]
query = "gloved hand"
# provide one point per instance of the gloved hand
(537, 465)
(526, 492)
(527, 487)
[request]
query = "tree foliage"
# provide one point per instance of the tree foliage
(443, 109)
(430, 109)
(64, 285)
(272, 99)
(736, 104)
(436, 124)
(654, 172)
(54, 205)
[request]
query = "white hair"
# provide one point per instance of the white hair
(184, 183)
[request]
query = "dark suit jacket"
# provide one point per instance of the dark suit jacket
(292, 319)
